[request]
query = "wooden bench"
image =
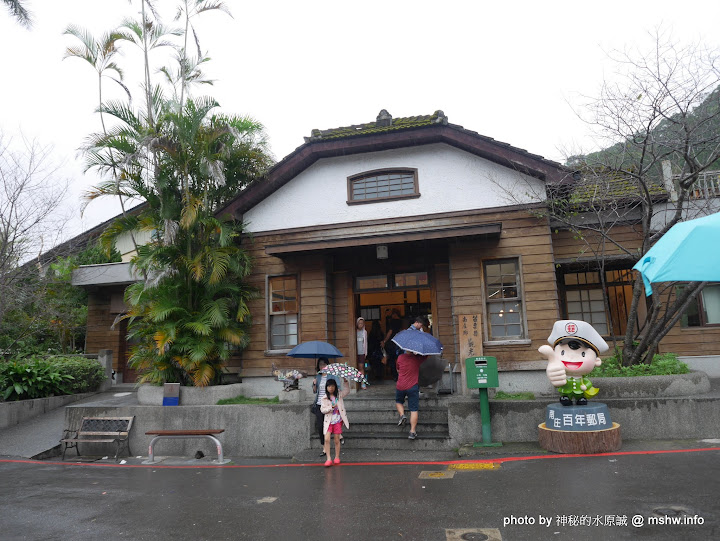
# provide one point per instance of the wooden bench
(180, 434)
(100, 430)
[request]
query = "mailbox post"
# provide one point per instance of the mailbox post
(481, 373)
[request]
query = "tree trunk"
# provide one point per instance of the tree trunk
(576, 442)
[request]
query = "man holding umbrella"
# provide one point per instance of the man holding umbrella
(408, 367)
(417, 346)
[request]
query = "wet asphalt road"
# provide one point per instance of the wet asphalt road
(48, 501)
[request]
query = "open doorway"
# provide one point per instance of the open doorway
(377, 297)
(408, 293)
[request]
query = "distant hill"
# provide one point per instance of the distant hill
(699, 130)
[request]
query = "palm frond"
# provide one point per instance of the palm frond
(198, 327)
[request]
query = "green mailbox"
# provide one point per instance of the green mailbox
(481, 372)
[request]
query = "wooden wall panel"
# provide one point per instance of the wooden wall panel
(99, 333)
(692, 341)
(569, 246)
(327, 303)
(343, 316)
(529, 240)
(443, 327)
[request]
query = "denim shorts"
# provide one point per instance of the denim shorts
(413, 396)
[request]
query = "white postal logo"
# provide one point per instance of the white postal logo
(571, 328)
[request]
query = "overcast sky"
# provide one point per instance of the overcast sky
(512, 71)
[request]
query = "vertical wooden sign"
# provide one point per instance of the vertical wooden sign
(471, 341)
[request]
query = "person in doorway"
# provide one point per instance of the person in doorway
(394, 327)
(318, 387)
(417, 325)
(362, 346)
(375, 351)
(333, 409)
(408, 366)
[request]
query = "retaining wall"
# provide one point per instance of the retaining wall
(284, 429)
(15, 412)
(277, 430)
(642, 418)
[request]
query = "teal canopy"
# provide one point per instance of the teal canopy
(688, 252)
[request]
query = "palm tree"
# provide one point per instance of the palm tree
(100, 54)
(18, 10)
(189, 68)
(148, 35)
(192, 310)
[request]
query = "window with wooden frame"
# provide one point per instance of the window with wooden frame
(585, 299)
(283, 307)
(704, 310)
(383, 185)
(504, 302)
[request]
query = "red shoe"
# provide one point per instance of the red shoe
(336, 461)
(328, 463)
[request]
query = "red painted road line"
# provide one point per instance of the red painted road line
(408, 463)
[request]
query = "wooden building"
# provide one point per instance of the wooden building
(415, 215)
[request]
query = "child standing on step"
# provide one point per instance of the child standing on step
(333, 407)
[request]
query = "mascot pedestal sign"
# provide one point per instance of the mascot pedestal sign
(581, 427)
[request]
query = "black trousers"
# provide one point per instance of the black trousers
(319, 421)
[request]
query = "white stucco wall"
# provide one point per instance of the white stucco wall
(449, 180)
(124, 244)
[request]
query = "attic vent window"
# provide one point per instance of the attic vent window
(383, 185)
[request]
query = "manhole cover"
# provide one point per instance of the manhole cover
(475, 536)
(671, 511)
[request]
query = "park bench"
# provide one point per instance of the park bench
(180, 434)
(99, 430)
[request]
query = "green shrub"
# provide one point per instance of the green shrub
(33, 378)
(664, 364)
(87, 374)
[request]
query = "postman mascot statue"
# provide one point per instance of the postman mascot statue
(573, 353)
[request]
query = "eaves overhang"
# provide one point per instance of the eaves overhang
(108, 274)
(280, 249)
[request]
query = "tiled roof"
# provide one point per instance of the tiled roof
(388, 133)
(607, 186)
(384, 123)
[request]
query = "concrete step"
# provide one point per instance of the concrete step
(430, 415)
(354, 402)
(392, 427)
(379, 441)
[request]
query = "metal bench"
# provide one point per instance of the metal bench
(179, 434)
(99, 430)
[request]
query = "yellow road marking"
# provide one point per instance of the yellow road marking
(475, 466)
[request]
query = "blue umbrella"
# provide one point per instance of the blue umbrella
(422, 343)
(688, 252)
(315, 349)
